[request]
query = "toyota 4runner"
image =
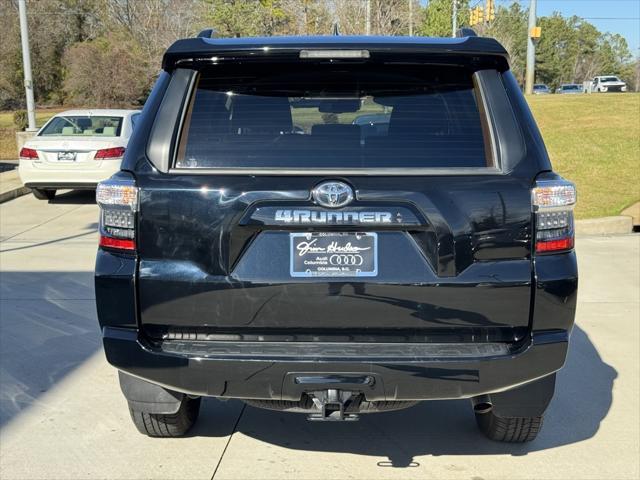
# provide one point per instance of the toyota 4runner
(336, 226)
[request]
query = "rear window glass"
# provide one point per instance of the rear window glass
(83, 125)
(357, 116)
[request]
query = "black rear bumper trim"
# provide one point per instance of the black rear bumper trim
(62, 186)
(336, 351)
(264, 371)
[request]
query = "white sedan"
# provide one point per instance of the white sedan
(76, 149)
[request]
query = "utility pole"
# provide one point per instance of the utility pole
(531, 50)
(26, 62)
(454, 19)
(638, 72)
(368, 27)
(410, 18)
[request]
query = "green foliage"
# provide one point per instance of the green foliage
(437, 18)
(105, 72)
(510, 29)
(246, 18)
(20, 120)
(114, 47)
(572, 50)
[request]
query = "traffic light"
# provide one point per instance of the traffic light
(490, 10)
(476, 16)
(480, 14)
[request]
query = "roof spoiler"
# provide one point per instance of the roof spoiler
(466, 32)
(208, 33)
(205, 48)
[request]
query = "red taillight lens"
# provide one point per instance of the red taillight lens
(554, 245)
(109, 153)
(119, 243)
(28, 154)
(118, 202)
(553, 202)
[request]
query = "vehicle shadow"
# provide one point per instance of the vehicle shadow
(582, 401)
(91, 229)
(74, 197)
(48, 327)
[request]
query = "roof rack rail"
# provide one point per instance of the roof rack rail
(466, 32)
(208, 33)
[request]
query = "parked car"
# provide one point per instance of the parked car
(76, 149)
(569, 88)
(604, 84)
(372, 124)
(257, 250)
(541, 89)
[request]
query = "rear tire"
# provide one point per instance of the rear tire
(43, 194)
(509, 429)
(161, 425)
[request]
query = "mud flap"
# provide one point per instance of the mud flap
(147, 397)
(529, 400)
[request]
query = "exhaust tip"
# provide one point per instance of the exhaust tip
(482, 407)
(482, 404)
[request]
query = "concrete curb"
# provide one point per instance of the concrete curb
(619, 224)
(11, 187)
(14, 193)
(633, 211)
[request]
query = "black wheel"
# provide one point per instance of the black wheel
(160, 425)
(509, 429)
(43, 194)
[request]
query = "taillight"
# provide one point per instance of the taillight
(553, 202)
(28, 154)
(118, 201)
(110, 153)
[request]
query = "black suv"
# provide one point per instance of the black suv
(337, 226)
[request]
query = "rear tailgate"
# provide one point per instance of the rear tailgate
(214, 260)
(436, 192)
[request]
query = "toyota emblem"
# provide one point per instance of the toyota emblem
(332, 194)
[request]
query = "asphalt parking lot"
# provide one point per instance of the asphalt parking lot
(62, 414)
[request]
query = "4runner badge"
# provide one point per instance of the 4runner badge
(332, 194)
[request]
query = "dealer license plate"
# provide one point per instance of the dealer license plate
(334, 254)
(66, 156)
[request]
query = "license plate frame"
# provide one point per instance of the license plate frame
(333, 254)
(67, 156)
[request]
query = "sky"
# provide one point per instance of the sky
(615, 16)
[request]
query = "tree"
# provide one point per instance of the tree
(510, 29)
(63, 33)
(309, 17)
(555, 52)
(572, 50)
(437, 17)
(153, 24)
(105, 72)
(248, 18)
(351, 15)
(50, 33)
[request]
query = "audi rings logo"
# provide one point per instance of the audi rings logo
(332, 194)
(346, 259)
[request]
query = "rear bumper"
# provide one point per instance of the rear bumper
(79, 176)
(262, 371)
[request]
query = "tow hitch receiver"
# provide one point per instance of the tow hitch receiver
(332, 404)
